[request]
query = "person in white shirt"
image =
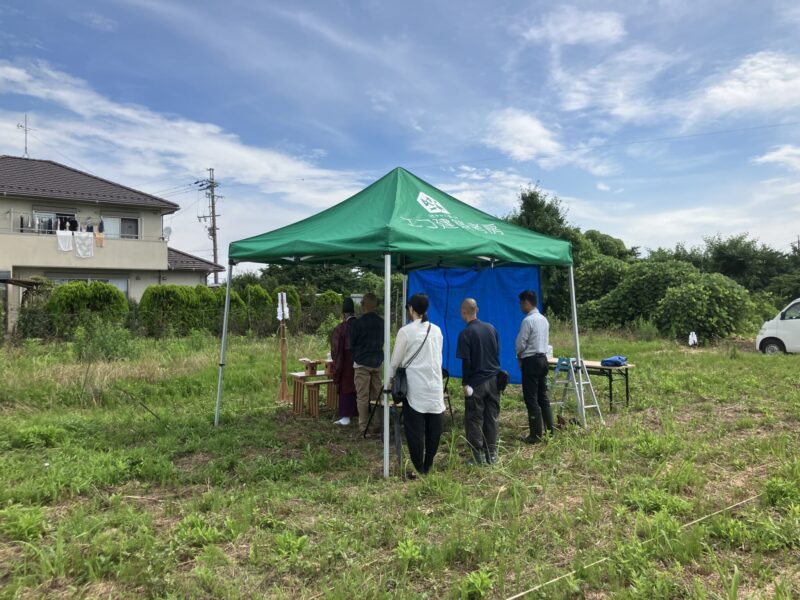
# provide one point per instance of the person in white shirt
(531, 348)
(418, 348)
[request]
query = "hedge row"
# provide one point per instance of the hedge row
(674, 295)
(58, 312)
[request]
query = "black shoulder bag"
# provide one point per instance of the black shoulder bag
(400, 383)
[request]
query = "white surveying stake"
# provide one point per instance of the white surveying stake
(570, 376)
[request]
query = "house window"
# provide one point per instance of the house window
(126, 228)
(45, 221)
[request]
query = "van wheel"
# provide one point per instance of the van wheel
(772, 346)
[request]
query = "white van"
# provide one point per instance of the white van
(781, 334)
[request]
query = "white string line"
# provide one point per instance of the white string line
(605, 558)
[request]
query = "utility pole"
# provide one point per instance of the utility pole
(210, 186)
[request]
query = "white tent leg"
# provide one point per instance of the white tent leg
(387, 315)
(576, 337)
(224, 343)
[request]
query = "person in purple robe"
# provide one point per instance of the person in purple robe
(342, 356)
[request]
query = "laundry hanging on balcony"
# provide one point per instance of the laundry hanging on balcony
(84, 244)
(64, 240)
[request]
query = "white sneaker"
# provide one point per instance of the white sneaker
(342, 421)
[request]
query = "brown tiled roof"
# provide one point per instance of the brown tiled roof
(47, 179)
(181, 261)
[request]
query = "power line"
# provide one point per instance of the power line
(175, 187)
(61, 154)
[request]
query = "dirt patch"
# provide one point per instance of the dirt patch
(192, 460)
(10, 555)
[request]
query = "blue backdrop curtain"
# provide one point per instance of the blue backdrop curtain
(496, 292)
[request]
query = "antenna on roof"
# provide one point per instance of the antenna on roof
(26, 129)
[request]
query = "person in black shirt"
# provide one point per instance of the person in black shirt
(479, 351)
(366, 343)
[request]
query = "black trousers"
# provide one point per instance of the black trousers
(423, 432)
(534, 391)
(481, 416)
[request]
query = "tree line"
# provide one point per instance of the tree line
(723, 287)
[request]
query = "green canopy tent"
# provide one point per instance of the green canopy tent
(399, 222)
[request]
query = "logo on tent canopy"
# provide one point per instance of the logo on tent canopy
(432, 205)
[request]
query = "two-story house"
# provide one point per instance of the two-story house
(64, 224)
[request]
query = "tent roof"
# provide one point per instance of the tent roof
(418, 224)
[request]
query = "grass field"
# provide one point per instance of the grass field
(113, 483)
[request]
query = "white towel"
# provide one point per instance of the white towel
(64, 240)
(84, 244)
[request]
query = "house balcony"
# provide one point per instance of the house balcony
(40, 249)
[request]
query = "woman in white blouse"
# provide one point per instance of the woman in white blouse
(424, 405)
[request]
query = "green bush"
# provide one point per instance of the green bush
(642, 288)
(177, 310)
(260, 310)
(713, 306)
(34, 320)
(171, 310)
(209, 309)
(237, 318)
(328, 325)
(590, 315)
(597, 277)
(101, 340)
(326, 304)
(785, 288)
(762, 307)
(74, 304)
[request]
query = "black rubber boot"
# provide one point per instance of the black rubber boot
(535, 425)
(490, 456)
(547, 417)
(478, 459)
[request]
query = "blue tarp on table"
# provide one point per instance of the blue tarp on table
(496, 292)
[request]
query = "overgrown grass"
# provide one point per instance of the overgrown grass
(114, 483)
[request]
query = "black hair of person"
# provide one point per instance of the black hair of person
(530, 296)
(420, 303)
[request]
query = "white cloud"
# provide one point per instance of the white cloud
(129, 143)
(523, 137)
(787, 156)
(771, 200)
(137, 142)
(603, 187)
(617, 86)
(765, 82)
(494, 191)
(567, 25)
(520, 135)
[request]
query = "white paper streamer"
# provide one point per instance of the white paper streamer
(283, 307)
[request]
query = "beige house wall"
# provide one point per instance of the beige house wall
(140, 280)
(11, 208)
(142, 262)
(149, 252)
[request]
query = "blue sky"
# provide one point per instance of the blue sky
(657, 121)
